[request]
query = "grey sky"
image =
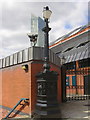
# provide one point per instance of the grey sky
(15, 21)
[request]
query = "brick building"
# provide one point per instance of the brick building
(19, 83)
(18, 72)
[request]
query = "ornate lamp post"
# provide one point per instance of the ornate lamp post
(46, 29)
(47, 103)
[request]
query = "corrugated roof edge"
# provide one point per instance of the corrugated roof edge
(26, 55)
(68, 35)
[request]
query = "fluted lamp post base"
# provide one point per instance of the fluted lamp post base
(47, 104)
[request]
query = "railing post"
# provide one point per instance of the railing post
(16, 106)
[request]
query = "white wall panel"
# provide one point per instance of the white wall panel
(0, 63)
(7, 61)
(11, 59)
(25, 55)
(20, 57)
(15, 58)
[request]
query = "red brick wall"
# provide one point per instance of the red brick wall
(17, 84)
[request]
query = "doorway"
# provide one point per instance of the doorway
(87, 85)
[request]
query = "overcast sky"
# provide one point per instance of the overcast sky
(15, 21)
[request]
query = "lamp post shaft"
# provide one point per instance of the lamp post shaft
(46, 30)
(46, 45)
(47, 103)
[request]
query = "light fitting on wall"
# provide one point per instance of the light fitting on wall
(25, 67)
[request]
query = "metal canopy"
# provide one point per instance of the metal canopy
(74, 57)
(67, 59)
(82, 56)
(78, 56)
(86, 54)
(71, 57)
(31, 53)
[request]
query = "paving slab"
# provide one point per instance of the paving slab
(71, 110)
(75, 110)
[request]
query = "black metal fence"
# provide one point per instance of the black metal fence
(78, 84)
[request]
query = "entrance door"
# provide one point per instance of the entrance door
(87, 85)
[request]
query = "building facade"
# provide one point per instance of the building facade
(74, 48)
(18, 81)
(37, 24)
(69, 56)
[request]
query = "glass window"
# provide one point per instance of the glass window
(73, 80)
(67, 80)
(34, 24)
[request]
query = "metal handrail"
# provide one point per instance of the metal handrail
(16, 106)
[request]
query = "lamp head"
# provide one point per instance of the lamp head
(46, 12)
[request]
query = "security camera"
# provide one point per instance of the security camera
(33, 37)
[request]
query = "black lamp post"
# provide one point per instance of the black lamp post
(47, 104)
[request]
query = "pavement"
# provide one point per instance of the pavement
(71, 110)
(75, 110)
